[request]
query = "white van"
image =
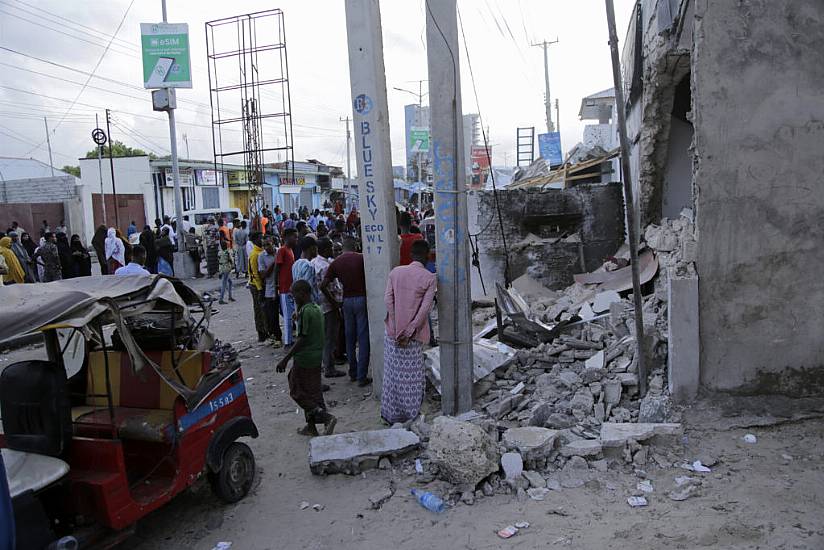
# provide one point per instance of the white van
(200, 218)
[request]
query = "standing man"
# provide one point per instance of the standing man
(284, 261)
(409, 295)
(330, 309)
(135, 267)
(303, 270)
(407, 238)
(240, 236)
(131, 229)
(349, 270)
(256, 286)
(211, 238)
(305, 385)
(225, 232)
(226, 263)
(266, 271)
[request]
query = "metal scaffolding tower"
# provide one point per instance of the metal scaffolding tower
(525, 146)
(250, 98)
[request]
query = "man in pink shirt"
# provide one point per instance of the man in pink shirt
(409, 295)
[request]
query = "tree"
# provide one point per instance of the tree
(73, 170)
(120, 149)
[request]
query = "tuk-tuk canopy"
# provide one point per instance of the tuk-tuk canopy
(27, 308)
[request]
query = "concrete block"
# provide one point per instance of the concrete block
(352, 452)
(532, 442)
(616, 434)
(683, 356)
(582, 447)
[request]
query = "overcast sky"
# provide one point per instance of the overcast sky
(508, 71)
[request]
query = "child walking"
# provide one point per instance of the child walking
(225, 266)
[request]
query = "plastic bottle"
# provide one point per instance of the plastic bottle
(429, 501)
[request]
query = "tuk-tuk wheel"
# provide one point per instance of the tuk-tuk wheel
(234, 480)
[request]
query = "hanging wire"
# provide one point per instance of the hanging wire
(507, 277)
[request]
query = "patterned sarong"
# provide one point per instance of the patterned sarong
(403, 380)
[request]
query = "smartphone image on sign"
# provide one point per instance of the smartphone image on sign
(161, 71)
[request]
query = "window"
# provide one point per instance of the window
(211, 197)
(188, 198)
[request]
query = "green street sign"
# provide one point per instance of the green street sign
(419, 139)
(166, 62)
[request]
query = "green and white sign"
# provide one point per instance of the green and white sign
(166, 62)
(419, 139)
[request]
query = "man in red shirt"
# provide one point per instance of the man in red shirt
(407, 238)
(349, 270)
(283, 268)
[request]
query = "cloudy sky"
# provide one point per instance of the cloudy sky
(45, 34)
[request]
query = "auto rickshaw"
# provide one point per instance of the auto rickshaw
(135, 402)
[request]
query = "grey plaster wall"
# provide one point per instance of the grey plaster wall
(758, 102)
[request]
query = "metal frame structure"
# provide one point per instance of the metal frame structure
(249, 95)
(525, 146)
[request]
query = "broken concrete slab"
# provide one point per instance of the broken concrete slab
(489, 356)
(532, 442)
(612, 392)
(582, 447)
(616, 434)
(655, 409)
(603, 300)
(535, 479)
(513, 465)
(596, 361)
(464, 453)
(353, 452)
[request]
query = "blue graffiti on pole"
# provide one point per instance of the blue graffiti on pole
(372, 230)
(363, 104)
(449, 232)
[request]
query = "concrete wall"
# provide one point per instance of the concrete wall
(677, 192)
(759, 123)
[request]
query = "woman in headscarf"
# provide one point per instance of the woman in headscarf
(23, 257)
(66, 259)
(147, 241)
(15, 270)
(81, 258)
(127, 246)
(165, 253)
(115, 251)
(28, 243)
(99, 245)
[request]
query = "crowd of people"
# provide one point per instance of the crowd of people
(307, 280)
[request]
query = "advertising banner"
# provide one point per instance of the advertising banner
(166, 61)
(549, 146)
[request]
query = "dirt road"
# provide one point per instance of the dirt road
(762, 495)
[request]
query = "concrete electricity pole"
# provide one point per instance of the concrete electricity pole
(557, 115)
(547, 100)
(111, 167)
(180, 257)
(48, 142)
(348, 157)
(370, 115)
(451, 218)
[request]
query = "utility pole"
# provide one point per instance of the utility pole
(111, 167)
(48, 142)
(370, 117)
(547, 99)
(558, 115)
(348, 157)
(628, 200)
(451, 218)
(180, 256)
(100, 173)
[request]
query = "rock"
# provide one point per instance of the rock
(655, 409)
(539, 414)
(535, 479)
(421, 428)
(352, 452)
(468, 498)
(384, 464)
(575, 463)
(463, 452)
(640, 457)
(596, 361)
(553, 484)
(612, 392)
(600, 465)
(487, 489)
(621, 415)
(600, 414)
(582, 447)
(381, 497)
(503, 405)
(583, 401)
(569, 378)
(560, 421)
(616, 434)
(537, 493)
(683, 493)
(628, 378)
(590, 376)
(513, 465)
(532, 442)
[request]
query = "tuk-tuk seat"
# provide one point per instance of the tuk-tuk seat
(142, 403)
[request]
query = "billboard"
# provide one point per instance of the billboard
(549, 146)
(419, 139)
(165, 49)
(480, 156)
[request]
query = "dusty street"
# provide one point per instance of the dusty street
(762, 495)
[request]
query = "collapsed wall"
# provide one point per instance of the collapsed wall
(551, 234)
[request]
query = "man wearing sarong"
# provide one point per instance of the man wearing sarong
(409, 295)
(304, 377)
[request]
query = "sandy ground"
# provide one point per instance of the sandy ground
(762, 495)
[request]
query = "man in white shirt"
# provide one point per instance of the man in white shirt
(331, 312)
(135, 267)
(167, 225)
